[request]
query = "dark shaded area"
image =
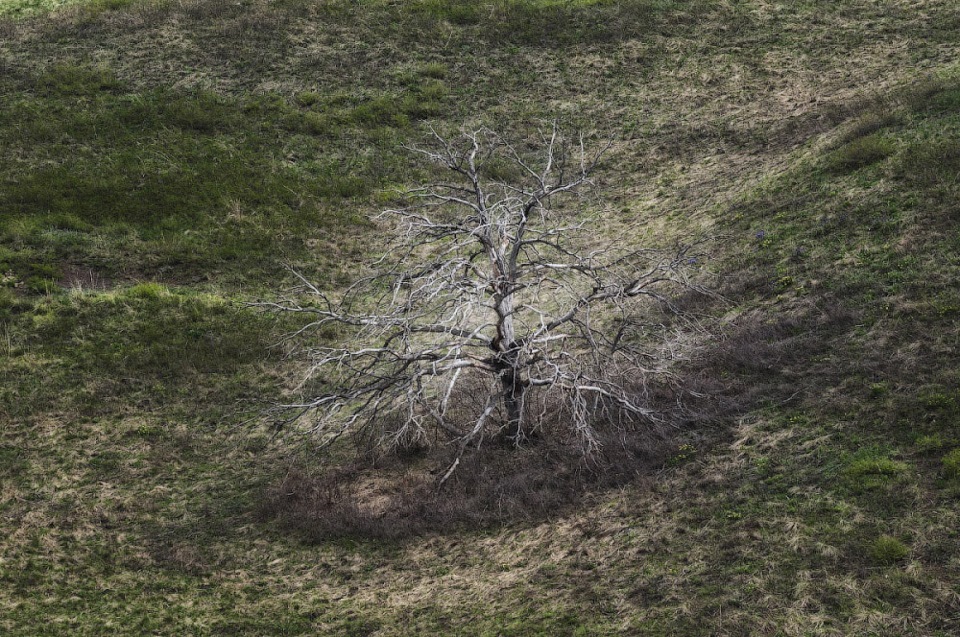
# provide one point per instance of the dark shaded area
(769, 358)
(399, 497)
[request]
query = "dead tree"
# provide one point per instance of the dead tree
(494, 286)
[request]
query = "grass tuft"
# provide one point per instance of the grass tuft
(887, 550)
(860, 153)
(872, 469)
(148, 291)
(930, 443)
(74, 79)
(933, 164)
(951, 464)
(871, 123)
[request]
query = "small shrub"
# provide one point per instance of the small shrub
(41, 278)
(432, 90)
(268, 105)
(380, 111)
(202, 111)
(501, 170)
(872, 469)
(926, 444)
(869, 124)
(458, 12)
(887, 550)
(318, 124)
(435, 70)
(414, 108)
(878, 390)
(148, 291)
(70, 222)
(936, 399)
(8, 301)
(921, 95)
(77, 79)
(945, 101)
(932, 164)
(41, 285)
(13, 462)
(148, 431)
(951, 464)
(860, 153)
(293, 122)
(345, 187)
(876, 467)
(44, 270)
(684, 453)
(109, 5)
(307, 98)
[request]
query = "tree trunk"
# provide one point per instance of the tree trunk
(505, 346)
(513, 400)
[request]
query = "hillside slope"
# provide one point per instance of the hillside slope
(160, 162)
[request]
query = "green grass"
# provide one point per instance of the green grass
(27, 7)
(951, 464)
(871, 469)
(160, 164)
(180, 182)
(888, 550)
(860, 153)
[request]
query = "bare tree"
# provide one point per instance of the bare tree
(494, 288)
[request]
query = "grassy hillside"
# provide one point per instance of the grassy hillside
(160, 162)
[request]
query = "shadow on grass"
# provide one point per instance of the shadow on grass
(398, 497)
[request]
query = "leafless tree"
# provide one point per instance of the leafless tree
(495, 287)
